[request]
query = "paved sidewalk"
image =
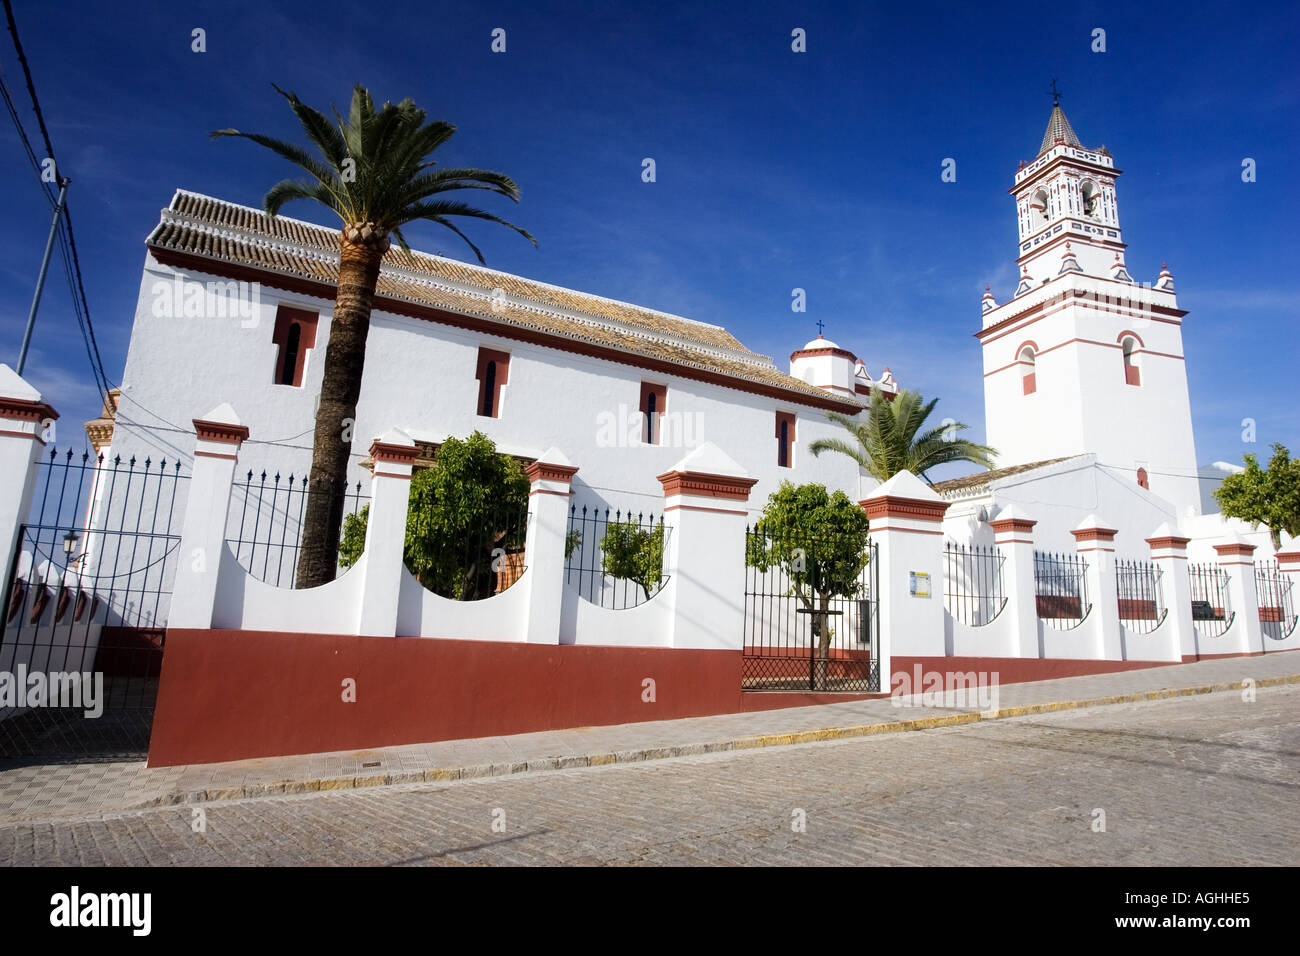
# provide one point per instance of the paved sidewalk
(58, 791)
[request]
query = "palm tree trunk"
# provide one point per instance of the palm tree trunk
(345, 359)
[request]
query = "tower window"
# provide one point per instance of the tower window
(1027, 370)
(1143, 480)
(295, 336)
(785, 438)
(1091, 201)
(654, 401)
(1132, 373)
(1039, 209)
(493, 373)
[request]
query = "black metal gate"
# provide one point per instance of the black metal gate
(812, 615)
(85, 608)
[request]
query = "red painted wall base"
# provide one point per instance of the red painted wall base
(229, 695)
(1011, 670)
(232, 695)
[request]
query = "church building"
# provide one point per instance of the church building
(1086, 396)
(235, 306)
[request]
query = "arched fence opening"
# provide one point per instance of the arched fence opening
(973, 592)
(264, 526)
(1061, 589)
(1211, 614)
(1277, 617)
(614, 558)
(1141, 601)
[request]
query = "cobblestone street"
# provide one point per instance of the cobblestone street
(1200, 780)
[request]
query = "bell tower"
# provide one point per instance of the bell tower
(1082, 358)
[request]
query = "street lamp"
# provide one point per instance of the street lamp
(70, 543)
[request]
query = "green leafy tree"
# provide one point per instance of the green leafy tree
(464, 515)
(891, 438)
(633, 553)
(819, 540)
(1269, 497)
(374, 171)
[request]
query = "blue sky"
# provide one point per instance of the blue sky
(775, 170)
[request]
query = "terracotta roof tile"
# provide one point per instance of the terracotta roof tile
(213, 229)
(982, 478)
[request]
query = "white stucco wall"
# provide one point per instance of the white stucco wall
(1082, 402)
(420, 376)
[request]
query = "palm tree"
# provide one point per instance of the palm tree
(888, 441)
(373, 170)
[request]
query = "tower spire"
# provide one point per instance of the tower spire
(1059, 129)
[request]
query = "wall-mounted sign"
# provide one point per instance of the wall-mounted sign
(920, 581)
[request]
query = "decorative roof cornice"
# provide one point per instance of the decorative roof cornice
(549, 471)
(28, 411)
(223, 432)
(730, 487)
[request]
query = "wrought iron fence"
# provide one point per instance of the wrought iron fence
(1277, 617)
(614, 558)
(811, 613)
(1211, 615)
(1061, 589)
(973, 582)
(87, 597)
(1141, 601)
(267, 531)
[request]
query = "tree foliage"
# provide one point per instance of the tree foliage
(1265, 496)
(374, 169)
(891, 438)
(464, 514)
(634, 553)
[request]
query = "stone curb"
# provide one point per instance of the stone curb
(441, 774)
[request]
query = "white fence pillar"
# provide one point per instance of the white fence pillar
(390, 491)
(1169, 555)
(704, 513)
(1096, 544)
(906, 518)
(203, 533)
(1013, 533)
(23, 421)
(548, 525)
(1237, 559)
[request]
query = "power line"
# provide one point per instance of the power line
(67, 239)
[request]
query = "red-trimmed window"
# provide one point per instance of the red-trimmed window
(1028, 365)
(785, 439)
(1143, 480)
(493, 373)
(1132, 373)
(654, 402)
(295, 336)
